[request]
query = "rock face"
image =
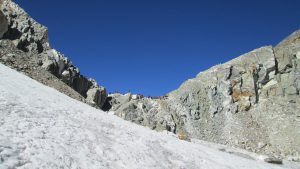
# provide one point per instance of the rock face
(251, 102)
(20, 32)
(3, 24)
(153, 113)
(97, 96)
(30, 65)
(26, 33)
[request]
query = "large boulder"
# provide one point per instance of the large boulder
(97, 96)
(54, 62)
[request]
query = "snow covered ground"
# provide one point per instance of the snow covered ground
(42, 128)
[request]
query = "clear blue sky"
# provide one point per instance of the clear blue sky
(152, 46)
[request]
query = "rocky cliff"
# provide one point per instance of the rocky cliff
(251, 102)
(25, 46)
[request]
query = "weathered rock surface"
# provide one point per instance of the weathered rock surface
(251, 102)
(97, 96)
(3, 24)
(31, 39)
(29, 65)
(26, 33)
(152, 113)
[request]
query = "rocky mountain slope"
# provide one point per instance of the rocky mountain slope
(42, 128)
(25, 46)
(251, 102)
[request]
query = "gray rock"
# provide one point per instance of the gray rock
(31, 37)
(291, 90)
(29, 65)
(55, 62)
(298, 55)
(3, 24)
(273, 160)
(297, 83)
(81, 84)
(241, 103)
(285, 52)
(97, 96)
(26, 33)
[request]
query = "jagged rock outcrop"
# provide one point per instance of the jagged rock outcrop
(251, 102)
(149, 112)
(97, 95)
(31, 37)
(29, 64)
(227, 104)
(26, 33)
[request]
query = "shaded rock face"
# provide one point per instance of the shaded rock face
(3, 24)
(248, 102)
(31, 37)
(97, 96)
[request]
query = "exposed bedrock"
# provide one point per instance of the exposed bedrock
(250, 102)
(31, 38)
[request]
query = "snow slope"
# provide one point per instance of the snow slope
(42, 128)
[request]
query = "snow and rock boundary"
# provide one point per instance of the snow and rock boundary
(42, 128)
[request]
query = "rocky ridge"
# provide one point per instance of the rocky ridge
(250, 102)
(25, 46)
